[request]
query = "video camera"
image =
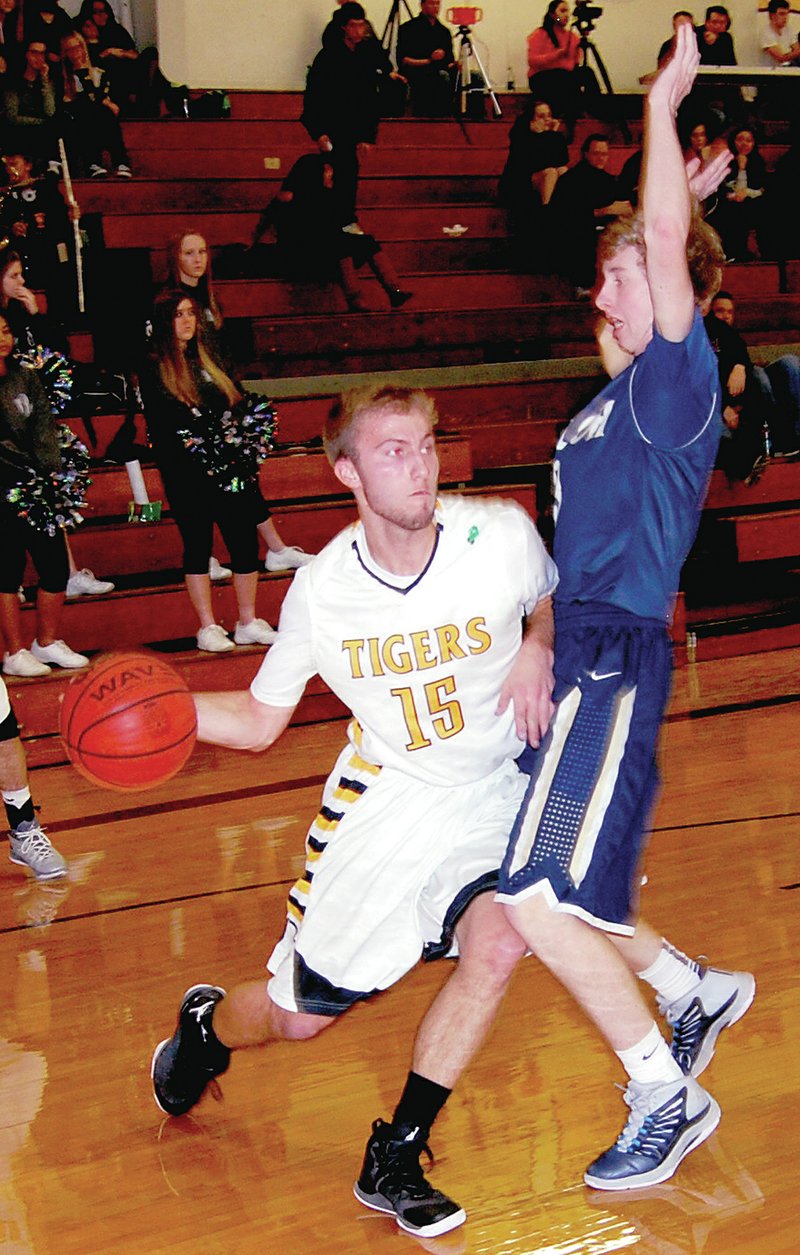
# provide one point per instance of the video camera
(585, 15)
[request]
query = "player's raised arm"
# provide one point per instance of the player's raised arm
(666, 199)
(238, 721)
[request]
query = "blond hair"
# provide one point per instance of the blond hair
(705, 255)
(340, 433)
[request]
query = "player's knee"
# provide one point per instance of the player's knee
(491, 946)
(297, 1025)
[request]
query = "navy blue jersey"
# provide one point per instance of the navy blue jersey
(631, 473)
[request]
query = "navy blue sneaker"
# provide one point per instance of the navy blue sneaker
(699, 1017)
(666, 1121)
(392, 1181)
(184, 1063)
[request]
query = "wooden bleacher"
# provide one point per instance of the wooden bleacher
(508, 357)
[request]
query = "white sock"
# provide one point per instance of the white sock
(673, 974)
(650, 1061)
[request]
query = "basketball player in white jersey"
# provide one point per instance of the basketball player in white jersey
(414, 618)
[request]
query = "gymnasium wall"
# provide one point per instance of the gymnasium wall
(269, 43)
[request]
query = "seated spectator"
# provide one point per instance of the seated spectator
(29, 106)
(30, 458)
(154, 95)
(189, 266)
(49, 23)
(31, 329)
(116, 51)
(586, 198)
(777, 388)
(665, 51)
(556, 72)
(309, 217)
(86, 103)
(425, 57)
(341, 105)
(35, 218)
(10, 49)
(187, 399)
(778, 45)
(537, 156)
(715, 44)
(741, 206)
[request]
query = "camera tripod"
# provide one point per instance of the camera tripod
(390, 30)
(467, 54)
(585, 28)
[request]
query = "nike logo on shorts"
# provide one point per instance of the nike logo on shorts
(604, 675)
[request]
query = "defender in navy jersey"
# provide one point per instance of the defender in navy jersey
(631, 473)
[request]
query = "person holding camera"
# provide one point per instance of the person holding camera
(556, 70)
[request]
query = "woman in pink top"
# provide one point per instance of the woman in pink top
(555, 64)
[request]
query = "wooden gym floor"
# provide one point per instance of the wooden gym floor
(187, 883)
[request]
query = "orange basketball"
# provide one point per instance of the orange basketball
(128, 722)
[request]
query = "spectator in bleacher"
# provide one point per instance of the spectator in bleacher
(115, 50)
(37, 220)
(556, 72)
(741, 206)
(776, 387)
(779, 45)
(425, 57)
(49, 23)
(714, 40)
(186, 393)
(586, 199)
(154, 95)
(37, 336)
(29, 453)
(341, 105)
(741, 449)
(189, 271)
(93, 117)
(537, 157)
(29, 106)
(392, 86)
(668, 46)
(10, 48)
(310, 218)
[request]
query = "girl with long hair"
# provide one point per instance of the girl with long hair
(191, 404)
(189, 269)
(86, 102)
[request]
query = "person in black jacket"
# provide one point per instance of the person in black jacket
(586, 198)
(425, 56)
(188, 398)
(309, 218)
(30, 455)
(341, 106)
(537, 157)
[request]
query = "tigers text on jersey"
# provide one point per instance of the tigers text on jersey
(631, 473)
(421, 663)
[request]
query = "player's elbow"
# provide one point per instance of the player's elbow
(666, 235)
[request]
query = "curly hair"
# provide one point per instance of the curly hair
(705, 255)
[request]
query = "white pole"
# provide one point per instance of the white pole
(76, 225)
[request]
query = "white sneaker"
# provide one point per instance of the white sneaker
(97, 171)
(699, 1017)
(257, 632)
(23, 663)
(287, 559)
(21, 595)
(214, 639)
(122, 171)
(216, 571)
(84, 584)
(59, 654)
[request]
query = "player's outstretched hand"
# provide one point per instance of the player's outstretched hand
(530, 687)
(676, 77)
(704, 180)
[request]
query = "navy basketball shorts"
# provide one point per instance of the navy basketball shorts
(579, 835)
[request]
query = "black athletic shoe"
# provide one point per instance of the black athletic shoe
(392, 1181)
(184, 1063)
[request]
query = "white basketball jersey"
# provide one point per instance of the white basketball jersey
(420, 664)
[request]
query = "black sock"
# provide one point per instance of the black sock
(18, 811)
(420, 1102)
